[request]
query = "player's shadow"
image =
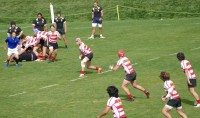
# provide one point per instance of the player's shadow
(86, 72)
(125, 97)
(96, 36)
(186, 101)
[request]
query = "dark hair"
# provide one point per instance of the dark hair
(22, 36)
(59, 12)
(12, 23)
(180, 56)
(39, 14)
(164, 76)
(112, 91)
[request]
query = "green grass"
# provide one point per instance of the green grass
(141, 39)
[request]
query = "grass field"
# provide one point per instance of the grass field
(53, 90)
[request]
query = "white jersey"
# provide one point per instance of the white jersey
(31, 41)
(117, 108)
(186, 66)
(53, 36)
(42, 35)
(126, 64)
(84, 49)
(171, 90)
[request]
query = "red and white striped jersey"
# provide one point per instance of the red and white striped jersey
(117, 108)
(31, 41)
(84, 49)
(53, 36)
(42, 35)
(186, 66)
(171, 90)
(126, 64)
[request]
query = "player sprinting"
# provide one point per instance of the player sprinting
(86, 57)
(61, 26)
(53, 35)
(190, 75)
(97, 17)
(172, 95)
(130, 75)
(114, 103)
(12, 43)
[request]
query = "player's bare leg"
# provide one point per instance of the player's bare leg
(196, 96)
(88, 65)
(44, 51)
(181, 113)
(135, 85)
(16, 59)
(55, 54)
(101, 32)
(93, 32)
(165, 112)
(8, 60)
(35, 48)
(64, 40)
(50, 54)
(126, 90)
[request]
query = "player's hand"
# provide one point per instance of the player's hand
(17, 36)
(100, 19)
(5, 49)
(80, 57)
(163, 98)
(111, 67)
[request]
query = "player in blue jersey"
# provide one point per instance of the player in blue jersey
(12, 43)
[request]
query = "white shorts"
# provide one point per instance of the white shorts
(95, 24)
(12, 51)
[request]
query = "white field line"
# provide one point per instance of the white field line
(195, 49)
(17, 94)
(172, 54)
(49, 86)
(78, 78)
(153, 59)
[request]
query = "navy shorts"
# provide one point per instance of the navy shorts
(193, 82)
(61, 31)
(176, 103)
(89, 56)
(96, 20)
(54, 45)
(131, 77)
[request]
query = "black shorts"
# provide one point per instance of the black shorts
(61, 31)
(54, 45)
(41, 41)
(193, 82)
(89, 56)
(25, 57)
(45, 44)
(131, 77)
(176, 103)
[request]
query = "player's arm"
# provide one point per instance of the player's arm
(188, 78)
(169, 92)
(101, 15)
(33, 25)
(107, 109)
(114, 68)
(65, 26)
(92, 15)
(5, 45)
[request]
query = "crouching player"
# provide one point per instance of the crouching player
(86, 57)
(130, 75)
(172, 95)
(114, 103)
(12, 43)
(53, 45)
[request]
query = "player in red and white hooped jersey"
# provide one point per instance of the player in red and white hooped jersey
(53, 35)
(191, 77)
(114, 103)
(86, 57)
(130, 75)
(42, 36)
(172, 95)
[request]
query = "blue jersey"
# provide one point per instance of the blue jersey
(12, 43)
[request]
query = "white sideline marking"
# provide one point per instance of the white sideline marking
(17, 94)
(153, 59)
(106, 71)
(49, 86)
(195, 49)
(78, 78)
(172, 54)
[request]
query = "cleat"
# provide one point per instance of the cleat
(92, 37)
(102, 37)
(6, 65)
(99, 70)
(147, 94)
(131, 99)
(197, 105)
(81, 75)
(17, 65)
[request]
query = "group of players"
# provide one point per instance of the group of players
(47, 42)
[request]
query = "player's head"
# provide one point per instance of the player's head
(59, 14)
(164, 76)
(121, 53)
(52, 27)
(95, 4)
(39, 15)
(13, 34)
(78, 41)
(112, 91)
(23, 36)
(13, 24)
(180, 56)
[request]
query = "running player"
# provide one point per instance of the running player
(130, 75)
(190, 75)
(53, 45)
(14, 28)
(114, 103)
(172, 95)
(61, 26)
(12, 43)
(97, 17)
(86, 57)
